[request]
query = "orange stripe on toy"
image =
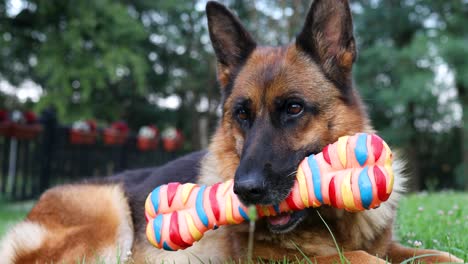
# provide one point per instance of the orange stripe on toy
(266, 211)
(229, 218)
(375, 197)
(339, 195)
(355, 190)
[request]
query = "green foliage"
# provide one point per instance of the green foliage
(402, 51)
(79, 52)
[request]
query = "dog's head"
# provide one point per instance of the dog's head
(281, 104)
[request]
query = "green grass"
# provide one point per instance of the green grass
(425, 220)
(11, 213)
(436, 221)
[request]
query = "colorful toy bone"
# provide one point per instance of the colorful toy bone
(354, 173)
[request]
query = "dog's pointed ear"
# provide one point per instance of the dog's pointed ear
(327, 36)
(231, 41)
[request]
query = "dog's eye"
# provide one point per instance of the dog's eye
(294, 109)
(242, 114)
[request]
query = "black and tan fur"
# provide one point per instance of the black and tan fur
(279, 105)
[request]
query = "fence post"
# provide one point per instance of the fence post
(5, 161)
(122, 163)
(49, 123)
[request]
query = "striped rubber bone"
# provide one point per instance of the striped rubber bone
(354, 173)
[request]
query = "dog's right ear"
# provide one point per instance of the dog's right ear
(231, 41)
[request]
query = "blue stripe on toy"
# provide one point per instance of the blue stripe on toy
(365, 188)
(277, 208)
(361, 149)
(167, 247)
(243, 214)
(314, 168)
(155, 199)
(157, 226)
(199, 206)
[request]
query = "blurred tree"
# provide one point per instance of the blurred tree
(85, 54)
(113, 59)
(396, 73)
(452, 40)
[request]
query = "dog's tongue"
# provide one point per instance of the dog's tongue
(281, 219)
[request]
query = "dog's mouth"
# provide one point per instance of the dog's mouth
(285, 222)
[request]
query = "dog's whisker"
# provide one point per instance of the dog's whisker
(293, 173)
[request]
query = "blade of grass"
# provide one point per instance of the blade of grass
(302, 253)
(410, 260)
(253, 217)
(340, 253)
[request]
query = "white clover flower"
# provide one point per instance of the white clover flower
(417, 243)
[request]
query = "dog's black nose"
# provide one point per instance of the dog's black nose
(250, 189)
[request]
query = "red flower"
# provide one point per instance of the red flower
(121, 126)
(30, 117)
(3, 115)
(92, 125)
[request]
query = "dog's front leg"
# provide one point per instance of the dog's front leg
(358, 256)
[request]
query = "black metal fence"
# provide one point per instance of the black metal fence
(28, 167)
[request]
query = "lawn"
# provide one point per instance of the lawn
(10, 213)
(435, 220)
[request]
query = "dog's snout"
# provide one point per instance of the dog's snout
(250, 189)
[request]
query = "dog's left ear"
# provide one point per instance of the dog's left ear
(327, 36)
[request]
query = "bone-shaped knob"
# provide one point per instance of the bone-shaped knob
(354, 173)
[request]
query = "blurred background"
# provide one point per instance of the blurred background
(89, 88)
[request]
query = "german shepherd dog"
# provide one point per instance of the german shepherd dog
(279, 105)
